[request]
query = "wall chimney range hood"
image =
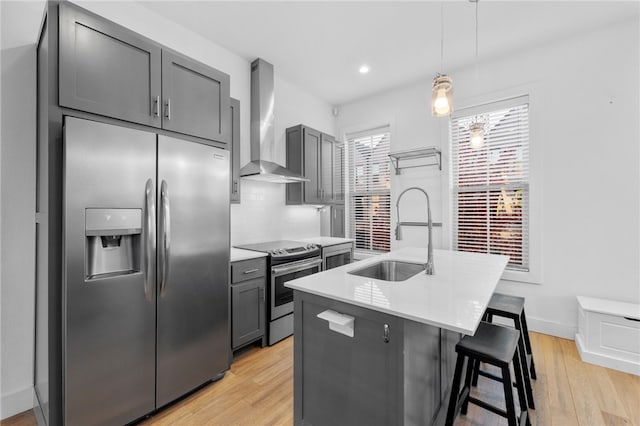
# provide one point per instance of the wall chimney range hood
(262, 167)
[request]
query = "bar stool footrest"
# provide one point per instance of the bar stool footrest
(488, 407)
(490, 375)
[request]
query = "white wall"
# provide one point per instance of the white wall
(585, 163)
(252, 220)
(17, 189)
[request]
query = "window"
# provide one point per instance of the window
(369, 190)
(490, 184)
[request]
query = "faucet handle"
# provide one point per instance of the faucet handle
(398, 232)
(429, 268)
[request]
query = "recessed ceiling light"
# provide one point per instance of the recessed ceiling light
(364, 69)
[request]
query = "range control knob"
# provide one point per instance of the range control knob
(311, 247)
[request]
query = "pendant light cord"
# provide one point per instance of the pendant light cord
(441, 36)
(477, 75)
(476, 61)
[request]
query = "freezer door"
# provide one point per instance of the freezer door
(109, 320)
(193, 266)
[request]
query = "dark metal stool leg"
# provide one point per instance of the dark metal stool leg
(508, 396)
(527, 342)
(518, 370)
(472, 362)
(455, 389)
(523, 359)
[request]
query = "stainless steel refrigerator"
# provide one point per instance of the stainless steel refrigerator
(146, 247)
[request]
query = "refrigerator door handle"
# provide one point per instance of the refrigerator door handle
(150, 249)
(165, 238)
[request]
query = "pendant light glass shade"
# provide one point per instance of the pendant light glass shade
(476, 138)
(442, 96)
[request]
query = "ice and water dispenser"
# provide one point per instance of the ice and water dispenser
(113, 238)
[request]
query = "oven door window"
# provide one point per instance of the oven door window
(284, 295)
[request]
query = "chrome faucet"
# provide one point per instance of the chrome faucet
(428, 267)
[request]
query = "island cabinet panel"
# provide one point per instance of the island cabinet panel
(195, 98)
(108, 70)
(342, 380)
(364, 379)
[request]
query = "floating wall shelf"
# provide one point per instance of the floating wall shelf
(432, 156)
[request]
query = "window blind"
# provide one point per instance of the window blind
(369, 190)
(490, 184)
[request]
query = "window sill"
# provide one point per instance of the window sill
(521, 277)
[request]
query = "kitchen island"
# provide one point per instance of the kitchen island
(370, 351)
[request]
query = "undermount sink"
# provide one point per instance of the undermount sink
(389, 270)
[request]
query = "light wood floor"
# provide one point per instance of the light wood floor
(258, 390)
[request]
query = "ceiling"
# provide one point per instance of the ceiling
(319, 45)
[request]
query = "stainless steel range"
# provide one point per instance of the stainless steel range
(287, 260)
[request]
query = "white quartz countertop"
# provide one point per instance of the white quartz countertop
(326, 241)
(454, 298)
(241, 254)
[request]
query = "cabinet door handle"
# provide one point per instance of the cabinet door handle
(235, 186)
(261, 294)
(167, 113)
(156, 106)
(385, 335)
(250, 271)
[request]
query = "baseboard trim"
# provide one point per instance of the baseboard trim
(16, 403)
(551, 328)
(607, 361)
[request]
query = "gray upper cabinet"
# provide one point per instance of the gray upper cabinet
(310, 153)
(195, 98)
(235, 151)
(337, 220)
(338, 172)
(326, 167)
(311, 169)
(108, 70)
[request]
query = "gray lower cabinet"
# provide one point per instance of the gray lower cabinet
(108, 70)
(248, 284)
(392, 371)
(235, 151)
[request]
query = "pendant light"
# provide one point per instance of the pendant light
(476, 138)
(476, 129)
(442, 90)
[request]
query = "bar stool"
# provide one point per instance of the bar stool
(498, 346)
(512, 307)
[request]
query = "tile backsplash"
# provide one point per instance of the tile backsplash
(262, 215)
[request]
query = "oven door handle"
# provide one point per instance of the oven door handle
(280, 270)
